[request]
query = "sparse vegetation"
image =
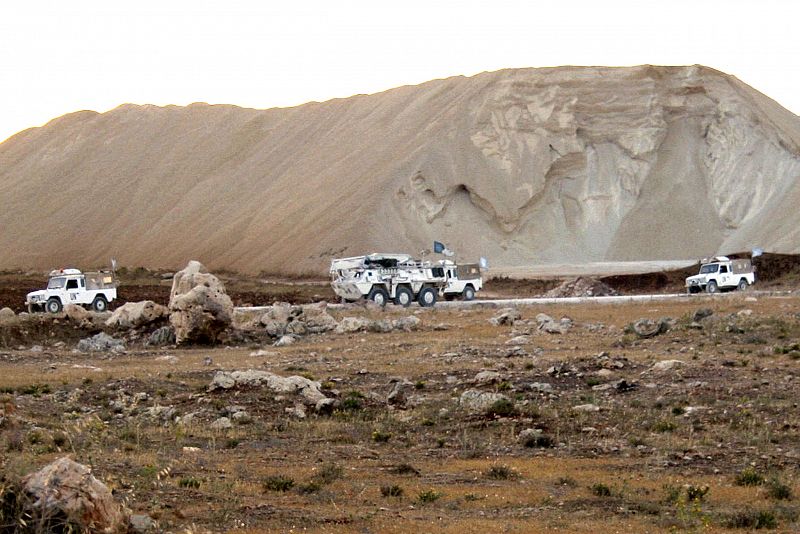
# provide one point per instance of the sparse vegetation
(501, 472)
(501, 408)
(429, 496)
(392, 491)
(753, 519)
(601, 490)
(749, 477)
(144, 425)
(278, 483)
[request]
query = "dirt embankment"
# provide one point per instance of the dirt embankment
(773, 271)
(142, 284)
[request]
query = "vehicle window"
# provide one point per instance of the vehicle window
(710, 268)
(56, 283)
(723, 269)
(72, 284)
(82, 282)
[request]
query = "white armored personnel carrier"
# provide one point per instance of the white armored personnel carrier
(400, 278)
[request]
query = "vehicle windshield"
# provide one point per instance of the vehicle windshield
(710, 268)
(56, 283)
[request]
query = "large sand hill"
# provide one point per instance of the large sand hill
(527, 166)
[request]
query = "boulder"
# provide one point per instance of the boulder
(101, 342)
(407, 324)
(6, 313)
(76, 314)
(507, 316)
(399, 394)
(479, 401)
(349, 325)
(135, 314)
(701, 314)
(551, 326)
(582, 287)
(65, 490)
(296, 328)
(223, 423)
(381, 326)
(586, 408)
(161, 336)
(142, 523)
(487, 377)
(317, 319)
(666, 365)
(308, 389)
(285, 341)
(645, 328)
(200, 309)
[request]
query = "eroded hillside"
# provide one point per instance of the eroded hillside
(522, 166)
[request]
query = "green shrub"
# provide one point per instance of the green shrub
(328, 473)
(696, 493)
(392, 491)
(753, 519)
(278, 483)
(778, 490)
(601, 490)
(541, 441)
(749, 477)
(500, 472)
(501, 408)
(664, 425)
(429, 496)
(312, 486)
(381, 437)
(404, 469)
(189, 482)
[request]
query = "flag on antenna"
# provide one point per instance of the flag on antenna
(438, 248)
(756, 252)
(484, 263)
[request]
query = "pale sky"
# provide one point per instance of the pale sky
(58, 57)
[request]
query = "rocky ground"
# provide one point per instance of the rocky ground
(638, 417)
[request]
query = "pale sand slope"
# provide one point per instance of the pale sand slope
(530, 166)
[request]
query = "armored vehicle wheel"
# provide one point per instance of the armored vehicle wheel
(403, 297)
(712, 287)
(469, 293)
(53, 305)
(427, 297)
(99, 304)
(378, 295)
(742, 284)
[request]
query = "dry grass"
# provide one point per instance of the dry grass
(642, 443)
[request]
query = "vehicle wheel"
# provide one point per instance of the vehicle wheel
(427, 297)
(712, 287)
(378, 295)
(743, 284)
(403, 297)
(469, 293)
(54, 305)
(99, 304)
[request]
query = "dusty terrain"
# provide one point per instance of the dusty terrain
(521, 166)
(592, 432)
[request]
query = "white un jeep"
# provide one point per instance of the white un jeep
(722, 273)
(71, 286)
